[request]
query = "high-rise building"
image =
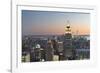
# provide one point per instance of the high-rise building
(67, 44)
(49, 51)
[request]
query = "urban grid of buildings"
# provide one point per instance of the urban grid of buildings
(38, 48)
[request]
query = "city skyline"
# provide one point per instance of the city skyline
(50, 22)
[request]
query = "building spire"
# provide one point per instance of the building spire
(68, 28)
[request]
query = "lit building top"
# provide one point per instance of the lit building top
(68, 28)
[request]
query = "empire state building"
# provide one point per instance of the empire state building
(67, 43)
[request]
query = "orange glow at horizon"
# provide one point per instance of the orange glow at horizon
(80, 29)
(51, 22)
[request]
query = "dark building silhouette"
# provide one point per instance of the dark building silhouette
(49, 51)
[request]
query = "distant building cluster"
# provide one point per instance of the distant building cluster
(41, 48)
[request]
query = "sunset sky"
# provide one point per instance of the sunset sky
(44, 22)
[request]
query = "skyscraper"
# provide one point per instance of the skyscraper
(67, 43)
(49, 51)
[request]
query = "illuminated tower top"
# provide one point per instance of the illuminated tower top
(68, 28)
